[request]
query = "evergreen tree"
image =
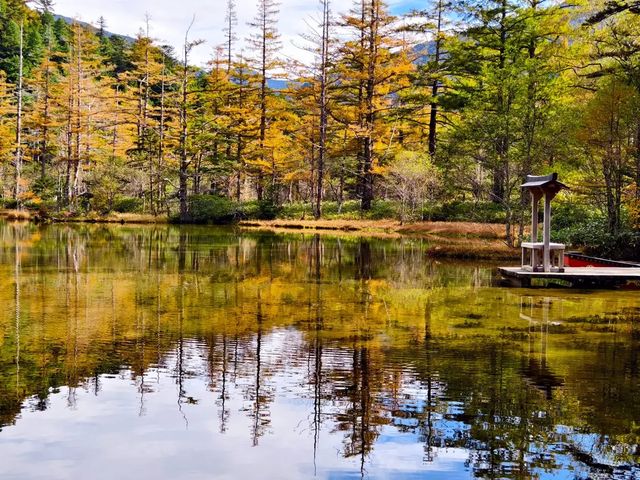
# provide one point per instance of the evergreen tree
(507, 85)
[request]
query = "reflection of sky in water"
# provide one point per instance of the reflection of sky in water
(426, 371)
(125, 428)
(120, 433)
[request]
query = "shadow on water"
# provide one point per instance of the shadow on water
(276, 352)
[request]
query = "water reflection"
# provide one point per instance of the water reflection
(535, 311)
(220, 355)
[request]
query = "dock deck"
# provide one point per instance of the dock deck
(577, 276)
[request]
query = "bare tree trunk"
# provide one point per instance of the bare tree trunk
(44, 144)
(239, 145)
(231, 22)
(502, 141)
(184, 161)
(370, 115)
(312, 166)
(160, 183)
(322, 143)
(145, 119)
(239, 166)
(69, 137)
(361, 121)
(263, 100)
(197, 174)
(18, 153)
(433, 114)
(114, 137)
(78, 118)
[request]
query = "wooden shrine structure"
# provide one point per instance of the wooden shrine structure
(545, 260)
(542, 256)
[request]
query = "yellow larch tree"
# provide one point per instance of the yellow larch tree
(145, 82)
(7, 129)
(374, 69)
(85, 102)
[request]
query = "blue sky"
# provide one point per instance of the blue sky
(170, 18)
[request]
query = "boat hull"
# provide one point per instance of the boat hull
(572, 259)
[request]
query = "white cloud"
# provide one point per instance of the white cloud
(170, 19)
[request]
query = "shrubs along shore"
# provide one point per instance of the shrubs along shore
(447, 239)
(133, 218)
(572, 223)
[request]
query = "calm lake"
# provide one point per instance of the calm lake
(200, 353)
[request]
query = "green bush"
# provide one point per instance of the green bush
(567, 215)
(592, 234)
(127, 205)
(9, 203)
(45, 188)
(212, 209)
(46, 209)
(350, 209)
(260, 210)
(296, 210)
(382, 209)
(250, 210)
(463, 211)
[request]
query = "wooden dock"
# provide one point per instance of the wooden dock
(593, 277)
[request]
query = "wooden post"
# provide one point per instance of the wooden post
(535, 200)
(546, 232)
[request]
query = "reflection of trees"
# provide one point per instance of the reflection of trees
(224, 396)
(317, 379)
(426, 425)
(534, 364)
(181, 340)
(315, 308)
(381, 351)
(363, 261)
(17, 287)
(259, 396)
(360, 418)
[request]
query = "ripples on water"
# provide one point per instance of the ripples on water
(198, 353)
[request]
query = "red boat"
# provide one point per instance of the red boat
(576, 259)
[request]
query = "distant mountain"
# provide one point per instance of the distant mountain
(425, 52)
(274, 84)
(277, 84)
(93, 28)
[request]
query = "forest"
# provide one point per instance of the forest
(437, 114)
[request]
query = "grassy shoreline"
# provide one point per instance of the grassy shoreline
(466, 240)
(121, 218)
(454, 229)
(450, 239)
(128, 218)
